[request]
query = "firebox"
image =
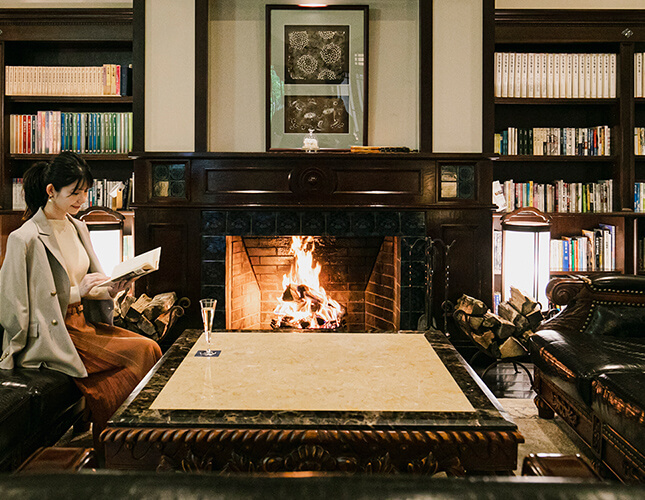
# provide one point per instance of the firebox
(372, 263)
(333, 283)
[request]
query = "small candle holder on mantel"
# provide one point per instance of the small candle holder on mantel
(310, 143)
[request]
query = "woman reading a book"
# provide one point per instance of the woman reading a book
(51, 310)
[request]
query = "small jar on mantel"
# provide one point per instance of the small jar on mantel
(310, 143)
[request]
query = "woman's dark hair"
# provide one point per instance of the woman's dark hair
(64, 169)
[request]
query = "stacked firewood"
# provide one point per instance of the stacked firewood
(152, 317)
(503, 335)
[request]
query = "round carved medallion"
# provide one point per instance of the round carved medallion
(312, 180)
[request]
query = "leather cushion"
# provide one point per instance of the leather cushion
(31, 401)
(572, 360)
(619, 401)
(617, 320)
(14, 411)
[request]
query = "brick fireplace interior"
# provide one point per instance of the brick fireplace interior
(363, 274)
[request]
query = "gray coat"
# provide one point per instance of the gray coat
(34, 295)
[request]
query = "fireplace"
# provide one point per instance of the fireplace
(373, 263)
(360, 274)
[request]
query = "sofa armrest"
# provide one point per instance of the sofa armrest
(610, 305)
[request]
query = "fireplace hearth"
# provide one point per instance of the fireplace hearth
(361, 274)
(369, 265)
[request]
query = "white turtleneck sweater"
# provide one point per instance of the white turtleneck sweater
(76, 260)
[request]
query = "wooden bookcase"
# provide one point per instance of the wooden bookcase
(59, 37)
(619, 32)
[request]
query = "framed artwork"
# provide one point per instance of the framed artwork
(316, 75)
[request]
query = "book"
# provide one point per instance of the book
(504, 85)
(135, 267)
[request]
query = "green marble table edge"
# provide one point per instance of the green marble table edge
(488, 414)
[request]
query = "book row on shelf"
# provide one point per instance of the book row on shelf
(639, 141)
(639, 81)
(50, 132)
(639, 197)
(593, 250)
(116, 195)
(553, 141)
(555, 75)
(105, 80)
(556, 197)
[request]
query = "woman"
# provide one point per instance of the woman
(52, 312)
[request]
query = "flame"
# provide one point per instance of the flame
(304, 303)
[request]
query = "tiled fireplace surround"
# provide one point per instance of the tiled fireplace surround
(373, 263)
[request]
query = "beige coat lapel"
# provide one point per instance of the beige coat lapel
(46, 236)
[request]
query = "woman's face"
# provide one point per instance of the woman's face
(68, 200)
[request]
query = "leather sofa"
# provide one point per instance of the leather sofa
(109, 485)
(590, 368)
(36, 408)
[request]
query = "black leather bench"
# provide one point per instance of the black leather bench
(36, 408)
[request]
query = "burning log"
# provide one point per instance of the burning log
(291, 293)
(304, 303)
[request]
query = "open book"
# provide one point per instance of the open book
(136, 267)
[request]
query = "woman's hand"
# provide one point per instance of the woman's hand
(115, 288)
(90, 281)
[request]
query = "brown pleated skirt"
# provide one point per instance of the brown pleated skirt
(116, 360)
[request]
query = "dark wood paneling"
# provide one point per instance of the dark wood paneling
(564, 26)
(624, 174)
(201, 75)
(425, 76)
(75, 25)
(364, 181)
(5, 174)
(139, 75)
(488, 68)
(468, 266)
(246, 180)
(177, 232)
(270, 180)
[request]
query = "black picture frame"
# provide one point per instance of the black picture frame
(316, 76)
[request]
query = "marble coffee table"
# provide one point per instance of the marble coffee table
(294, 401)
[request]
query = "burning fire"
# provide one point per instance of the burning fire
(304, 303)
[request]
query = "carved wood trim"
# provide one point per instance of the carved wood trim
(273, 450)
(631, 466)
(620, 406)
(566, 411)
(561, 291)
(556, 364)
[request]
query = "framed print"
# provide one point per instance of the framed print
(316, 75)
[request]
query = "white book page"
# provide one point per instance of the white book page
(136, 267)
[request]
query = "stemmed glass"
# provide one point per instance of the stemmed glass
(208, 312)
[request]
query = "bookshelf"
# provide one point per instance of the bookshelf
(70, 38)
(620, 34)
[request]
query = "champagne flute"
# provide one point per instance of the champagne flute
(208, 312)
